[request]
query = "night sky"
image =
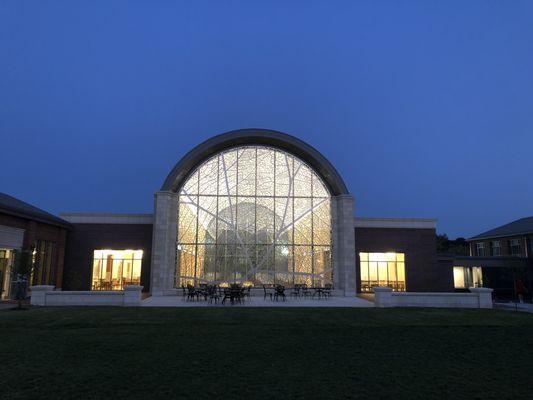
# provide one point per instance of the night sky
(424, 107)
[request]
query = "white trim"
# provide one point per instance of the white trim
(106, 218)
(412, 223)
(11, 238)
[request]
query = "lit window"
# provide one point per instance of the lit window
(254, 214)
(382, 269)
(113, 269)
(6, 259)
(514, 247)
(466, 277)
(480, 249)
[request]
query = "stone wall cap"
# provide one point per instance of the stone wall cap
(38, 288)
(480, 289)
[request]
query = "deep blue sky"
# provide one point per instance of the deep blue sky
(424, 107)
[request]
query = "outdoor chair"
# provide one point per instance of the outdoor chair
(213, 294)
(266, 293)
(280, 292)
(305, 292)
(192, 293)
(296, 291)
(326, 292)
(247, 292)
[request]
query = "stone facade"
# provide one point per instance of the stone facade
(344, 268)
(164, 243)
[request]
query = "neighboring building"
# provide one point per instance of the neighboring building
(23, 226)
(258, 207)
(500, 258)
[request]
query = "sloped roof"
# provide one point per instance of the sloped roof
(519, 227)
(13, 206)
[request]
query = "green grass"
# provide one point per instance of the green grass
(265, 353)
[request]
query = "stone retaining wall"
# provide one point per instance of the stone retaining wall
(44, 295)
(477, 298)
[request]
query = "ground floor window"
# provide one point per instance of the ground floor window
(43, 258)
(113, 269)
(382, 269)
(466, 277)
(6, 259)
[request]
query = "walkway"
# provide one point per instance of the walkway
(257, 301)
(526, 307)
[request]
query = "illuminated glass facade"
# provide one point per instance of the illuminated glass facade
(467, 277)
(254, 215)
(382, 269)
(113, 269)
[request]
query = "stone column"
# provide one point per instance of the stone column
(343, 235)
(164, 243)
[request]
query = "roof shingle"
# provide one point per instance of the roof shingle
(519, 227)
(14, 206)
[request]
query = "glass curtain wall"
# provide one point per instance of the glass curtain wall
(113, 269)
(254, 215)
(382, 269)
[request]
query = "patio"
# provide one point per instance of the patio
(258, 300)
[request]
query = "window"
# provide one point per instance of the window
(496, 248)
(113, 269)
(480, 249)
(6, 259)
(466, 277)
(43, 273)
(382, 269)
(515, 249)
(254, 215)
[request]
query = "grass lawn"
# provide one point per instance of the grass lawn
(265, 353)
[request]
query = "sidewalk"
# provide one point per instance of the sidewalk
(525, 307)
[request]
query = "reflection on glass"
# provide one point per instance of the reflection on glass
(113, 269)
(254, 214)
(382, 269)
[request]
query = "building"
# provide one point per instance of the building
(252, 206)
(257, 207)
(500, 258)
(23, 226)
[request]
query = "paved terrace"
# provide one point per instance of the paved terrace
(258, 301)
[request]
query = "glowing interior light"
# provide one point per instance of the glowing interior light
(254, 214)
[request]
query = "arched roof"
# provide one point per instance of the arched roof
(253, 136)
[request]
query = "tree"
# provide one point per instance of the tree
(22, 270)
(458, 247)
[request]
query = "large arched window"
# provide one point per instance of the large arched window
(254, 215)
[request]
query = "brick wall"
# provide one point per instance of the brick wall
(422, 270)
(35, 231)
(85, 238)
